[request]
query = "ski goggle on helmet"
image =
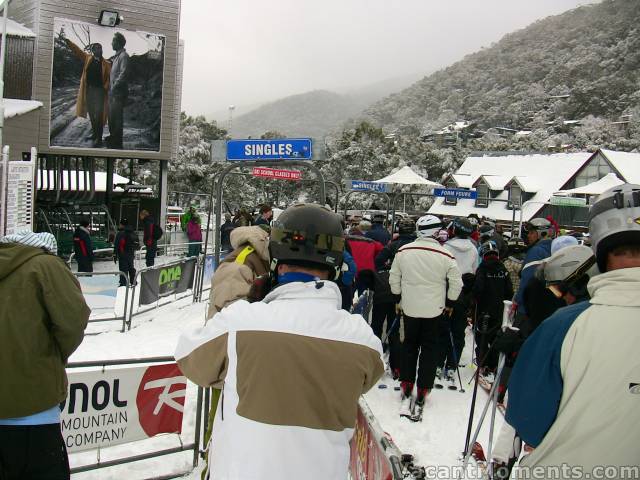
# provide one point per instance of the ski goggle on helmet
(541, 225)
(428, 225)
(614, 221)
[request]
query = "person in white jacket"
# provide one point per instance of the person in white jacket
(453, 328)
(292, 366)
(427, 277)
(574, 394)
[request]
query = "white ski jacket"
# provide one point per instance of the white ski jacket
(466, 254)
(574, 392)
(419, 273)
(292, 368)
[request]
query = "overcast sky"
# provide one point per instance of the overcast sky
(245, 52)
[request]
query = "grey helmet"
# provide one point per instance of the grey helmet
(541, 225)
(614, 220)
(307, 235)
(569, 264)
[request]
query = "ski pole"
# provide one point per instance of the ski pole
(390, 329)
(506, 320)
(455, 355)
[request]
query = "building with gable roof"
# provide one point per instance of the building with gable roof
(524, 186)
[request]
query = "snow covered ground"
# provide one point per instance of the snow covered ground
(438, 440)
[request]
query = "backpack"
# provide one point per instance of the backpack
(157, 231)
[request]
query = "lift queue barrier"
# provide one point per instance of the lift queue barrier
(111, 407)
(98, 295)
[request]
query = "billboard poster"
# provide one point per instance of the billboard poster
(110, 407)
(164, 281)
(106, 87)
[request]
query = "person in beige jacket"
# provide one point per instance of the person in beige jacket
(234, 277)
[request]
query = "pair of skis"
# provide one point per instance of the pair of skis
(414, 412)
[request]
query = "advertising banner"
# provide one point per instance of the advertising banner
(106, 87)
(163, 281)
(100, 293)
(368, 461)
(120, 405)
(209, 268)
(277, 174)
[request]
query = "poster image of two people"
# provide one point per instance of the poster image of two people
(92, 94)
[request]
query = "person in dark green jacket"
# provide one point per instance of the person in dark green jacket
(43, 316)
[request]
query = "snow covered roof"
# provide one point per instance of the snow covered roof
(406, 176)
(596, 188)
(545, 174)
(463, 181)
(14, 107)
(495, 182)
(15, 29)
(100, 177)
(628, 164)
(528, 184)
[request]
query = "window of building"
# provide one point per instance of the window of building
(451, 200)
(482, 200)
(515, 196)
(593, 172)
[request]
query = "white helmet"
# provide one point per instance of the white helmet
(428, 225)
(614, 220)
(569, 264)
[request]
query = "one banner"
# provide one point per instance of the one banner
(277, 174)
(163, 281)
(100, 293)
(368, 460)
(120, 405)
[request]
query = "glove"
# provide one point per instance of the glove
(508, 341)
(448, 311)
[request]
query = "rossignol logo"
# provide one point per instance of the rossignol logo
(160, 399)
(634, 388)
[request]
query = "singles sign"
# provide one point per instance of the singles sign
(274, 149)
(277, 174)
(115, 406)
(366, 186)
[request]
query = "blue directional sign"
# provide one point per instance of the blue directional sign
(365, 186)
(272, 149)
(455, 193)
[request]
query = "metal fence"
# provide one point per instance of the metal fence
(115, 316)
(195, 445)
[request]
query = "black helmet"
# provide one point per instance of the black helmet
(307, 235)
(378, 218)
(489, 248)
(462, 227)
(614, 220)
(406, 225)
(516, 245)
(486, 231)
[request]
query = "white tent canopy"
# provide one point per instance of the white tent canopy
(596, 188)
(406, 176)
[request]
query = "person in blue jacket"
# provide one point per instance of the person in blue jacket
(539, 235)
(378, 232)
(574, 394)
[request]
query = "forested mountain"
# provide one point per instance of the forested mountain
(578, 66)
(311, 114)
